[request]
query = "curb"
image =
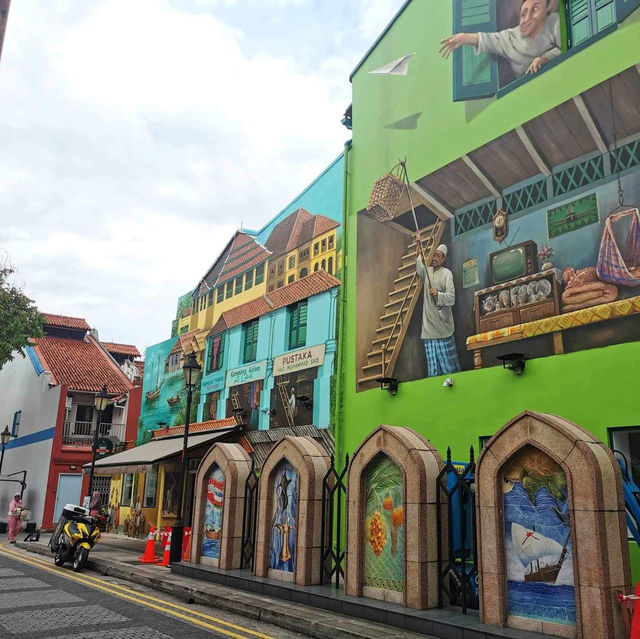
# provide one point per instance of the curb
(294, 617)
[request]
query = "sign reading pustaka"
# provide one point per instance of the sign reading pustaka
(298, 360)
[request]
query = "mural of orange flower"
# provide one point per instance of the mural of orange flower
(387, 504)
(397, 516)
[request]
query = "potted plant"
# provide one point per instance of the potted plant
(545, 255)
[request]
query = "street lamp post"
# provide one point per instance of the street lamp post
(4, 437)
(191, 369)
(102, 399)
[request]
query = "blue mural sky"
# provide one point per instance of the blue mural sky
(149, 119)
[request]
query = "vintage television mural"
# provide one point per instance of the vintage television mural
(532, 243)
(539, 560)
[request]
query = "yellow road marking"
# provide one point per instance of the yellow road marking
(125, 593)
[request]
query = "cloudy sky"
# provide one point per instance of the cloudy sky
(136, 136)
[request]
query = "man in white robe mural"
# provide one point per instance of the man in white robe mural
(527, 47)
(437, 315)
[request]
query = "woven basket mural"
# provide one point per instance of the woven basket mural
(385, 197)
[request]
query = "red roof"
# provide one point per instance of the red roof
(199, 427)
(139, 364)
(64, 321)
(313, 284)
(81, 364)
(297, 229)
(121, 349)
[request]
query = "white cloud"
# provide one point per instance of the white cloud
(136, 137)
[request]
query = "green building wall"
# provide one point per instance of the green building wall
(597, 388)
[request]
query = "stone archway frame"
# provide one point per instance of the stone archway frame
(420, 464)
(235, 464)
(597, 518)
(311, 462)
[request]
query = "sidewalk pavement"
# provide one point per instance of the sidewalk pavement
(118, 557)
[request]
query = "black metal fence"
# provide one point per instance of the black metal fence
(334, 490)
(249, 518)
(458, 567)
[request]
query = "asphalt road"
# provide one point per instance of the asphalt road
(40, 601)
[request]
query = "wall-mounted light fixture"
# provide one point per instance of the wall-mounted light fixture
(513, 362)
(390, 384)
(448, 383)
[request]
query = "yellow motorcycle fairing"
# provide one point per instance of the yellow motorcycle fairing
(84, 544)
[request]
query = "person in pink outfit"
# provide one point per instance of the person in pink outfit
(15, 523)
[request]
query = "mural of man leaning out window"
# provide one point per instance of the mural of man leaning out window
(527, 46)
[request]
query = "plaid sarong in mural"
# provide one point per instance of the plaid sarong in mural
(442, 356)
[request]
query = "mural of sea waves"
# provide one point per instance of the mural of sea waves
(538, 542)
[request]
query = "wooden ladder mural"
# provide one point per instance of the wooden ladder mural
(401, 302)
(282, 390)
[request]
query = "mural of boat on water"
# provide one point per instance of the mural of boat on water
(213, 515)
(284, 521)
(539, 559)
(157, 377)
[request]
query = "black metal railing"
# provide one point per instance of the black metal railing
(334, 490)
(249, 518)
(458, 577)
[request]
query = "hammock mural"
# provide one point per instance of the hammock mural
(613, 266)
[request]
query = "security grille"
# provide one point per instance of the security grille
(102, 484)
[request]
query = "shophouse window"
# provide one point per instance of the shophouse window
(316, 248)
(220, 294)
(280, 284)
(315, 268)
(272, 270)
(626, 441)
(259, 274)
(216, 353)
(298, 325)
(150, 489)
(127, 489)
(229, 289)
(16, 423)
(304, 272)
(303, 255)
(271, 288)
(292, 261)
(331, 241)
(210, 300)
(250, 349)
(280, 267)
(330, 266)
(290, 279)
(238, 285)
(248, 280)
(579, 23)
(323, 245)
(324, 265)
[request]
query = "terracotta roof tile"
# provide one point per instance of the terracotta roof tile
(121, 349)
(82, 365)
(313, 284)
(244, 253)
(285, 234)
(139, 364)
(198, 427)
(63, 321)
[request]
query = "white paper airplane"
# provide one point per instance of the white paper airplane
(397, 67)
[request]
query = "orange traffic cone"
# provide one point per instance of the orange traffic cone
(186, 544)
(167, 551)
(149, 556)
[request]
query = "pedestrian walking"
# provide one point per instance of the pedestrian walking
(15, 522)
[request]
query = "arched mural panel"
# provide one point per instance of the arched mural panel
(538, 549)
(284, 519)
(213, 513)
(383, 527)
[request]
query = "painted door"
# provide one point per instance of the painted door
(69, 489)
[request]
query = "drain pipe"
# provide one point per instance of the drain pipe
(338, 416)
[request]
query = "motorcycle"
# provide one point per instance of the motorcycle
(75, 534)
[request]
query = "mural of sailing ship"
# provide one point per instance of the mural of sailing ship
(173, 401)
(213, 514)
(284, 520)
(154, 393)
(539, 560)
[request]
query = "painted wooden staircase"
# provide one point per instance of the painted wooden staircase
(401, 302)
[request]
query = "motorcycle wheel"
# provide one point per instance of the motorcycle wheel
(80, 559)
(58, 560)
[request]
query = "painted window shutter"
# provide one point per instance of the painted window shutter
(588, 17)
(605, 14)
(474, 76)
(625, 7)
